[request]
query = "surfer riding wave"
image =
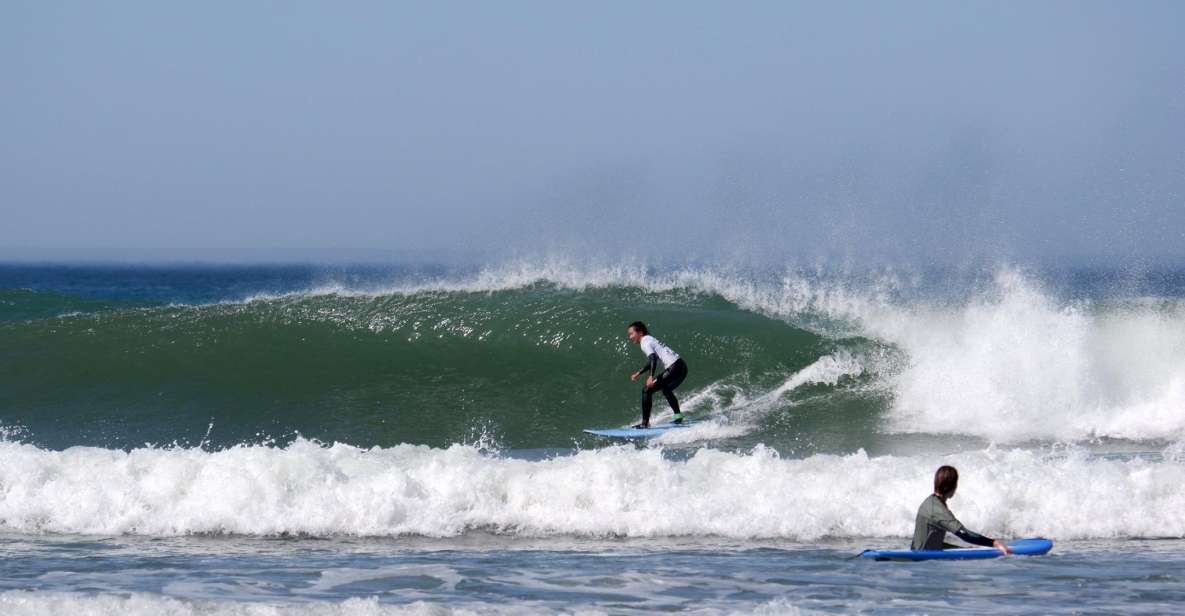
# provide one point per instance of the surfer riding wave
(674, 371)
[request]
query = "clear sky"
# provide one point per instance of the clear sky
(252, 130)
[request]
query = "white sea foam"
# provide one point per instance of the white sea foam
(1017, 364)
(701, 431)
(742, 414)
(827, 370)
(22, 603)
(620, 491)
(16, 603)
(1009, 362)
(14, 433)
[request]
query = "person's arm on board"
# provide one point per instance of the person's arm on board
(952, 525)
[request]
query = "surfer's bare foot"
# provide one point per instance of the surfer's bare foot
(641, 426)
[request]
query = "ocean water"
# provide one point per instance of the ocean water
(407, 439)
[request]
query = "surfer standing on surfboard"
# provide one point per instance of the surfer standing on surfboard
(935, 520)
(674, 371)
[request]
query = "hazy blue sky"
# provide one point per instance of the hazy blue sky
(684, 130)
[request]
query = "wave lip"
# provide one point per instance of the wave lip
(309, 489)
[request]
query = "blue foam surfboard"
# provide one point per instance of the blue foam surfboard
(1020, 547)
(652, 431)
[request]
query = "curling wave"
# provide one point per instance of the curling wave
(531, 352)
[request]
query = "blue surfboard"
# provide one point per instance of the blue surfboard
(1021, 547)
(652, 431)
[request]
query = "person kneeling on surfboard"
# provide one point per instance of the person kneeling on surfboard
(674, 371)
(935, 519)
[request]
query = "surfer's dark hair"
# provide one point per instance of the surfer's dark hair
(946, 480)
(640, 327)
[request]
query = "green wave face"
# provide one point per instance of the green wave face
(528, 367)
(26, 305)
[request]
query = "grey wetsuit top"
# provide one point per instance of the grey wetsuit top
(933, 523)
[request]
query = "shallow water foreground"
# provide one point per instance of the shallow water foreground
(487, 574)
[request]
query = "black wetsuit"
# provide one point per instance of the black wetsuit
(666, 382)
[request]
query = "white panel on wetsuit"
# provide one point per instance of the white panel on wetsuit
(650, 344)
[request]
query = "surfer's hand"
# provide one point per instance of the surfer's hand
(1003, 548)
(634, 376)
(649, 381)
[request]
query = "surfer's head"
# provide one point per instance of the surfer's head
(635, 331)
(946, 481)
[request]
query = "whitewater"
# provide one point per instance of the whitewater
(296, 440)
(321, 491)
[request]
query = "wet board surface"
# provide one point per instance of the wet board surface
(652, 431)
(1021, 547)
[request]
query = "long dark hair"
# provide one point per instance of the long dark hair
(946, 479)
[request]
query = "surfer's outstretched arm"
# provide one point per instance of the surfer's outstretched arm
(975, 538)
(971, 536)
